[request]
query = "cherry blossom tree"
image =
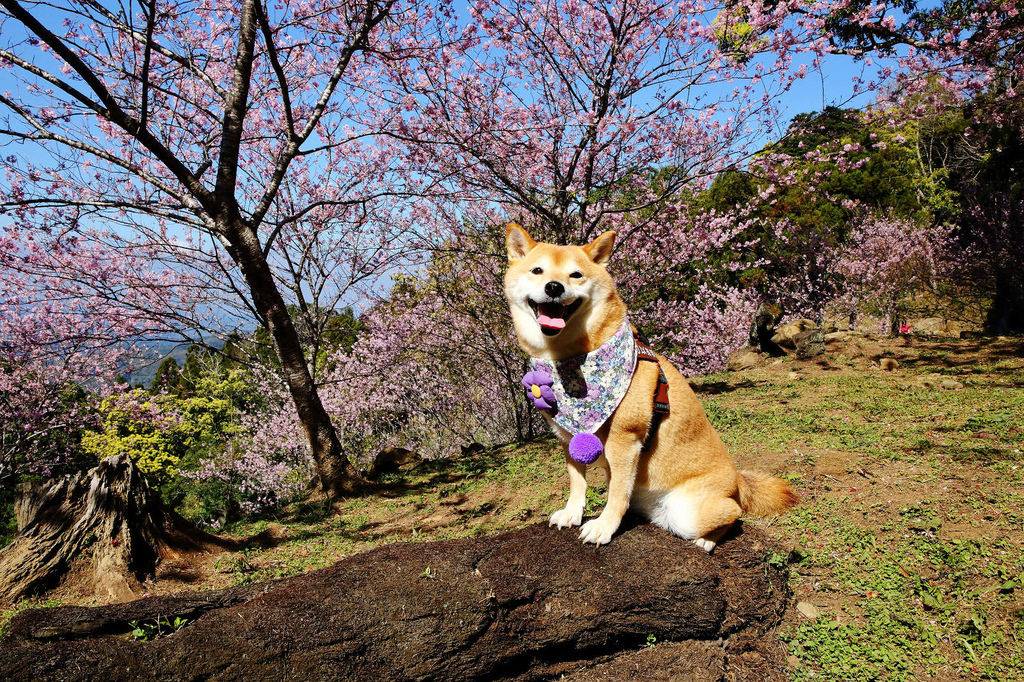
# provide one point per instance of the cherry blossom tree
(885, 262)
(956, 51)
(58, 335)
(570, 113)
(215, 138)
(439, 357)
(678, 275)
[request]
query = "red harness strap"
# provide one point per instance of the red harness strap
(646, 353)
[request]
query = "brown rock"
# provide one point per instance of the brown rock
(472, 449)
(843, 335)
(785, 334)
(931, 326)
(809, 344)
(889, 364)
(392, 460)
(532, 604)
(744, 358)
(808, 609)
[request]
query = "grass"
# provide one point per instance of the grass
(871, 416)
(499, 490)
(903, 600)
(909, 540)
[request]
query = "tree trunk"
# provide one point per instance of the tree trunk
(762, 329)
(105, 530)
(1006, 316)
(338, 477)
(532, 604)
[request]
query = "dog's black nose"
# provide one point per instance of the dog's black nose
(554, 289)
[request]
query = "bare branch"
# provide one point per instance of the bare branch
(146, 58)
(373, 16)
(108, 106)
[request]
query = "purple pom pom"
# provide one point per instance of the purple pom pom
(585, 448)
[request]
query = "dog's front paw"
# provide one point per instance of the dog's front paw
(599, 531)
(566, 518)
(705, 544)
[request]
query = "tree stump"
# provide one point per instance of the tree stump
(532, 604)
(762, 329)
(106, 528)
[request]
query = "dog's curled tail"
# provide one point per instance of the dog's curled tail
(761, 494)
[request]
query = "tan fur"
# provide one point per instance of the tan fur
(685, 481)
(761, 494)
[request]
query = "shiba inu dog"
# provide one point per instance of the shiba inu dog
(673, 468)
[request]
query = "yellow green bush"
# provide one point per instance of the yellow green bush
(135, 424)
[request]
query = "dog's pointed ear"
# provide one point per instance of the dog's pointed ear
(600, 250)
(518, 242)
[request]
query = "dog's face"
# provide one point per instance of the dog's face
(561, 297)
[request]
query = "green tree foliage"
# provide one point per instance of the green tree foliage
(168, 376)
(204, 364)
(207, 421)
(166, 433)
(133, 423)
(877, 170)
(835, 165)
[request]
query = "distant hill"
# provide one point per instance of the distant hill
(143, 370)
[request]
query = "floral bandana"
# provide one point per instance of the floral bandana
(587, 388)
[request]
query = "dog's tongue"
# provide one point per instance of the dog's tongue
(551, 322)
(549, 315)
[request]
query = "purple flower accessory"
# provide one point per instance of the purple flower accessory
(538, 387)
(585, 448)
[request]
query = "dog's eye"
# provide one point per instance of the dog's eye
(576, 275)
(537, 271)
